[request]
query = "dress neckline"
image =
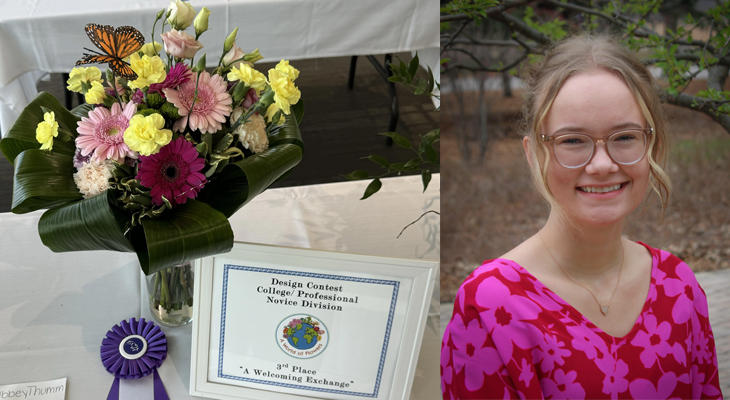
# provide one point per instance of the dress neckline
(579, 318)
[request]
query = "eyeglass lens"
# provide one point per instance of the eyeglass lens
(575, 149)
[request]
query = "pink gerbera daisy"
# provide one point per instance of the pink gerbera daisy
(212, 105)
(174, 172)
(102, 133)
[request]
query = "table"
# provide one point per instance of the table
(42, 36)
(56, 307)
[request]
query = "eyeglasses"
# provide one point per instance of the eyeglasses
(574, 150)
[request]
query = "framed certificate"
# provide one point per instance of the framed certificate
(276, 323)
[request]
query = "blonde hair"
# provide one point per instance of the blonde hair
(586, 53)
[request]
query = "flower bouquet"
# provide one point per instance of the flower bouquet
(162, 153)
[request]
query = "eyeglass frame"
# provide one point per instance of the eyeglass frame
(552, 138)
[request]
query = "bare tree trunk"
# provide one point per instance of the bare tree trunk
(506, 86)
(483, 131)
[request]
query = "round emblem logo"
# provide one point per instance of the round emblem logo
(133, 347)
(302, 336)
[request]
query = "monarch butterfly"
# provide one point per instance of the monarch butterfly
(116, 43)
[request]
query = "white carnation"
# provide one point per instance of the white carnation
(252, 134)
(93, 177)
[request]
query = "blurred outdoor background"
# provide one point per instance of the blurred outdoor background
(492, 205)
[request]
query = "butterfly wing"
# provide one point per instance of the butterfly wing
(103, 37)
(122, 69)
(117, 44)
(95, 59)
(128, 40)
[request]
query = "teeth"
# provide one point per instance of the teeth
(605, 189)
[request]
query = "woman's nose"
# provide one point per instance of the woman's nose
(601, 163)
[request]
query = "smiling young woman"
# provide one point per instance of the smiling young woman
(576, 311)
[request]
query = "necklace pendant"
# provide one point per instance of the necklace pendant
(604, 310)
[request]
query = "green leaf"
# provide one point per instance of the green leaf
(431, 154)
(399, 139)
(379, 160)
(82, 111)
(192, 230)
(243, 180)
(88, 224)
(372, 188)
(403, 69)
(413, 66)
(421, 86)
(298, 110)
(239, 92)
(394, 79)
(412, 164)
(357, 175)
(426, 178)
(21, 136)
(433, 136)
(42, 179)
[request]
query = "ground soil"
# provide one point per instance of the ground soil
(491, 205)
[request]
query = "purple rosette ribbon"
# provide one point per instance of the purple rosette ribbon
(133, 350)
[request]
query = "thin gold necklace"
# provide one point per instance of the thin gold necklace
(604, 309)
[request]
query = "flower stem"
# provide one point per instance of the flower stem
(114, 86)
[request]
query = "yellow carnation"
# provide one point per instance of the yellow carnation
(149, 70)
(82, 74)
(47, 130)
(286, 69)
(145, 134)
(285, 93)
(96, 94)
(151, 49)
(249, 76)
(273, 108)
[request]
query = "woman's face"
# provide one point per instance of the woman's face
(596, 103)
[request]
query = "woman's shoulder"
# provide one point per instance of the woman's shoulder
(670, 266)
(505, 271)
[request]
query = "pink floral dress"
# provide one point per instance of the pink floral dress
(510, 337)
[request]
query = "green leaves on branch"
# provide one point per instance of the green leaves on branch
(427, 161)
(406, 74)
(472, 8)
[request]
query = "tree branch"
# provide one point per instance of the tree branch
(515, 24)
(506, 5)
(469, 40)
(458, 31)
(687, 101)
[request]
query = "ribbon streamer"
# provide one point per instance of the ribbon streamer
(133, 350)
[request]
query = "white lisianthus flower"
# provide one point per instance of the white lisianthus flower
(252, 134)
(182, 14)
(93, 177)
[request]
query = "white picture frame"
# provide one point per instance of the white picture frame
(411, 283)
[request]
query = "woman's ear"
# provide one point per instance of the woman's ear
(528, 152)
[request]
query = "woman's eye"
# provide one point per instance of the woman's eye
(570, 140)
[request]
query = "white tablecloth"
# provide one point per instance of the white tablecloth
(56, 308)
(48, 35)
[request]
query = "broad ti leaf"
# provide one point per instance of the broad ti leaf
(88, 224)
(192, 230)
(42, 179)
(243, 180)
(21, 136)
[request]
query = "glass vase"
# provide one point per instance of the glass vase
(171, 295)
